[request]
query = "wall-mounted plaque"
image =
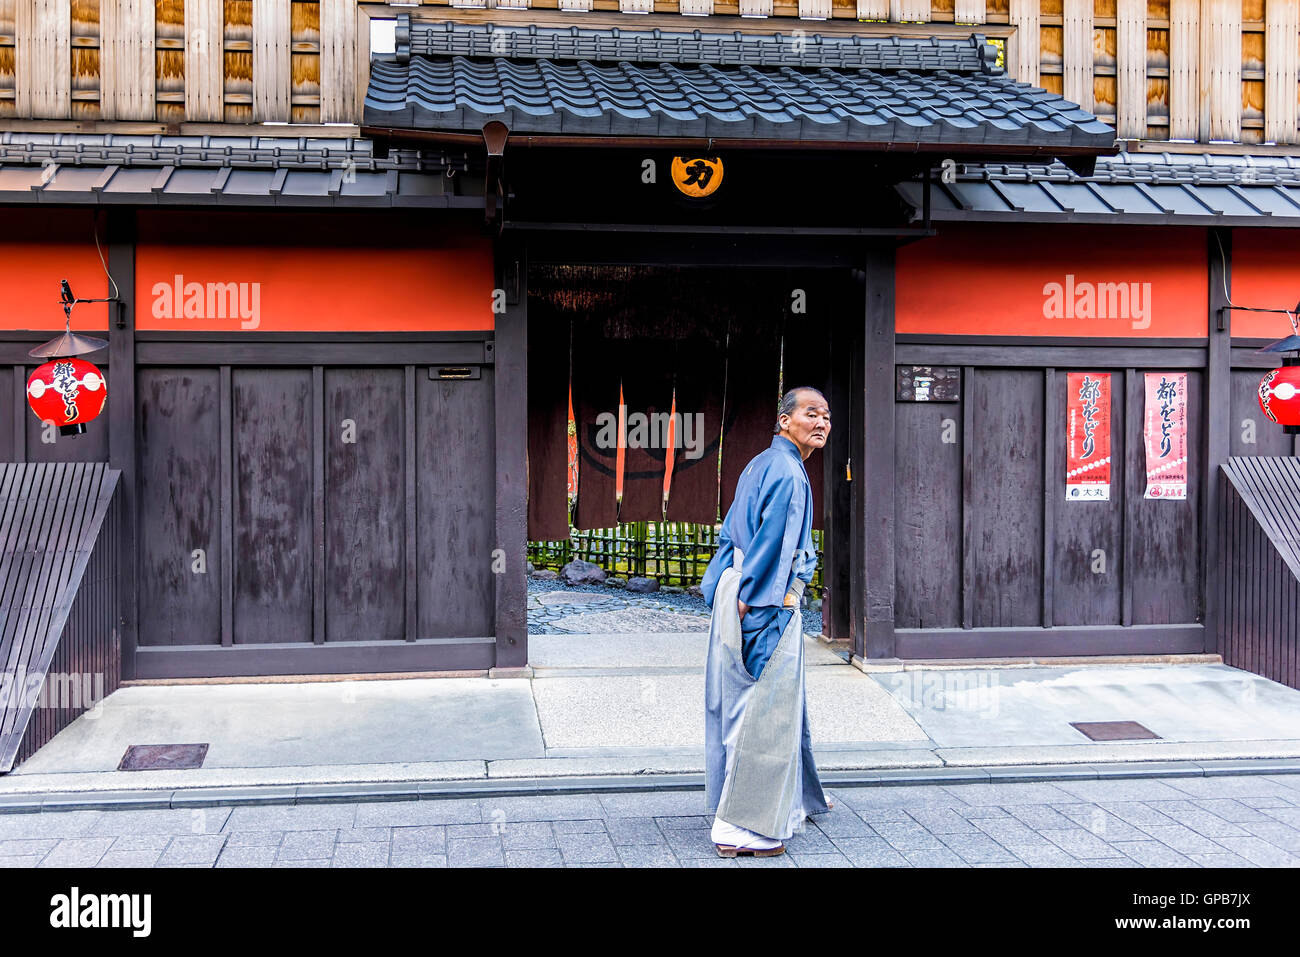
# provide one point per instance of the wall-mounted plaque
(928, 384)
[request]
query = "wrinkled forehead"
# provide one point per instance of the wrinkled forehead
(810, 401)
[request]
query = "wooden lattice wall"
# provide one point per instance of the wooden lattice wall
(1201, 70)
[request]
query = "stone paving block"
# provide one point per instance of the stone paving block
(575, 864)
(634, 830)
(811, 840)
(193, 849)
(934, 857)
(906, 837)
(654, 804)
(819, 860)
(898, 796)
(1079, 842)
(646, 855)
(1287, 815)
(586, 848)
(984, 811)
(843, 823)
(475, 852)
(1181, 838)
(778, 860)
(1232, 810)
(690, 843)
(940, 820)
(297, 817)
(551, 808)
(140, 842)
(1012, 863)
(1039, 817)
(534, 857)
(26, 848)
(713, 861)
(308, 845)
(1276, 833)
(579, 827)
(361, 854)
(425, 839)
(55, 824)
(1001, 795)
(976, 848)
(364, 835)
(683, 823)
(1225, 859)
(1121, 862)
(142, 858)
(77, 852)
(1245, 785)
(414, 813)
(1042, 855)
(254, 838)
(870, 852)
(476, 830)
(17, 862)
(199, 820)
(1094, 818)
(417, 860)
(1206, 823)
(1265, 802)
(1122, 789)
(529, 835)
(319, 862)
(1138, 813)
(1009, 832)
(1154, 854)
(248, 855)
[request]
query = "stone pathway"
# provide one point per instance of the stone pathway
(1221, 821)
(556, 608)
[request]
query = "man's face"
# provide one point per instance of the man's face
(809, 425)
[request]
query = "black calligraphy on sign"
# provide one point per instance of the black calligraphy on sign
(65, 383)
(1166, 393)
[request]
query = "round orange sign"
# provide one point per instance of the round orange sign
(697, 176)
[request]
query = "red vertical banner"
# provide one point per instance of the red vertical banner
(1166, 434)
(1087, 467)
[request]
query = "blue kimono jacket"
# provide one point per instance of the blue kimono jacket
(770, 521)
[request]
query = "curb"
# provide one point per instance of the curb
(141, 799)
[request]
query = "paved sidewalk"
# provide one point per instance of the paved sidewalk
(1245, 821)
(633, 704)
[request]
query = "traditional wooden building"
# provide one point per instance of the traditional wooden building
(340, 356)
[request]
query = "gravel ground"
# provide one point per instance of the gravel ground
(539, 620)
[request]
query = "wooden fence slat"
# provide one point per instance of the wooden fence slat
(1220, 73)
(272, 77)
(204, 73)
(969, 11)
(873, 9)
(1023, 60)
(126, 60)
(1131, 69)
(43, 58)
(1281, 65)
(1184, 73)
(338, 79)
(1077, 38)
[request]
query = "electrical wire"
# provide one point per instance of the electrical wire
(94, 230)
(1223, 258)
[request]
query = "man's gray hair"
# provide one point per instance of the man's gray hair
(790, 400)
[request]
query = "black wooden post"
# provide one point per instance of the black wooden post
(121, 421)
(872, 562)
(836, 510)
(511, 398)
(1218, 401)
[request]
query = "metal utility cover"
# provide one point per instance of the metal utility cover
(1113, 730)
(163, 757)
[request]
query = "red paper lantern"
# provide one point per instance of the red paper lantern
(68, 392)
(1279, 395)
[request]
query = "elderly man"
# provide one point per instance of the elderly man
(761, 778)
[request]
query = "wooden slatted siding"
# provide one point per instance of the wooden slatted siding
(59, 527)
(1260, 532)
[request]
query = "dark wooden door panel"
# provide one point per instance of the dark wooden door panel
(271, 431)
(455, 474)
(178, 416)
(1165, 544)
(1249, 421)
(1089, 548)
(365, 567)
(1006, 496)
(928, 514)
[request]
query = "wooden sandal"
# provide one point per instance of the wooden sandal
(727, 850)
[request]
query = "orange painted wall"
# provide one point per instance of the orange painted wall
(38, 247)
(338, 271)
(1266, 274)
(997, 280)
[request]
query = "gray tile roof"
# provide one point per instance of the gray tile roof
(852, 90)
(227, 170)
(1187, 189)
